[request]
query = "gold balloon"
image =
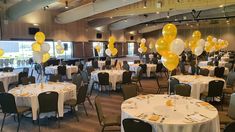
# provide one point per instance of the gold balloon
(196, 35)
(192, 45)
(40, 37)
(98, 48)
(112, 40)
(151, 45)
(162, 46)
(208, 48)
(209, 38)
(1, 52)
(217, 47)
(169, 32)
(144, 49)
(36, 47)
(45, 57)
(170, 61)
(114, 51)
(142, 45)
(110, 46)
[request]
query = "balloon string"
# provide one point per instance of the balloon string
(169, 81)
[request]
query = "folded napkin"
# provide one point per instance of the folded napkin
(197, 117)
(169, 103)
(203, 103)
(24, 94)
(154, 117)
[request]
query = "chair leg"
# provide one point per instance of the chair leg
(38, 122)
(3, 121)
(19, 120)
(76, 114)
(57, 114)
(102, 128)
(90, 102)
(84, 108)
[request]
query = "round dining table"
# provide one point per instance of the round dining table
(198, 83)
(150, 68)
(172, 113)
(114, 77)
(27, 95)
(7, 78)
(69, 70)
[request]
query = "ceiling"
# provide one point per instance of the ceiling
(123, 14)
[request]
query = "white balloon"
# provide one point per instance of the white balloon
(201, 43)
(220, 40)
(214, 40)
(207, 43)
(177, 46)
(59, 41)
(212, 49)
(37, 57)
(45, 47)
(198, 50)
(143, 40)
(140, 50)
(108, 52)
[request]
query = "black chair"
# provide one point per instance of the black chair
(105, 121)
(125, 66)
(215, 90)
(28, 80)
(77, 80)
(183, 89)
(48, 102)
(144, 68)
(219, 72)
(129, 91)
(25, 69)
(204, 72)
(8, 105)
(230, 127)
(54, 78)
(159, 68)
(137, 78)
(136, 61)
(80, 67)
(95, 64)
(161, 86)
(126, 78)
(173, 82)
(81, 98)
(8, 69)
(20, 76)
(62, 72)
(108, 62)
(103, 80)
(2, 89)
(136, 125)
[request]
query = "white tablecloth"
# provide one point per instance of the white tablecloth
(114, 76)
(69, 70)
(204, 63)
(198, 83)
(28, 95)
(7, 78)
(150, 68)
(212, 69)
(191, 115)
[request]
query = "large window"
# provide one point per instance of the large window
(101, 44)
(17, 53)
(131, 47)
(68, 46)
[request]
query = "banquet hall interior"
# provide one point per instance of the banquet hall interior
(117, 65)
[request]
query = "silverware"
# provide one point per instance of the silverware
(204, 116)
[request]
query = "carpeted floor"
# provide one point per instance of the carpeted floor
(111, 105)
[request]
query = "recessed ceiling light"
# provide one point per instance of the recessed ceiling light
(157, 12)
(221, 6)
(35, 24)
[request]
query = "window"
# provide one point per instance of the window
(101, 44)
(67, 53)
(131, 47)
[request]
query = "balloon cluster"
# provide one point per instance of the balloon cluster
(40, 49)
(212, 44)
(111, 51)
(59, 47)
(197, 44)
(169, 47)
(1, 52)
(98, 48)
(142, 48)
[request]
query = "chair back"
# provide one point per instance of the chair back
(7, 102)
(210, 63)
(21, 75)
(126, 77)
(139, 73)
(183, 89)
(85, 77)
(136, 61)
(136, 125)
(230, 127)
(159, 67)
(99, 110)
(173, 73)
(173, 82)
(2, 89)
(89, 70)
(27, 80)
(219, 72)
(129, 91)
(143, 67)
(95, 63)
(108, 62)
(82, 93)
(62, 70)
(231, 107)
(215, 88)
(8, 69)
(229, 66)
(48, 101)
(55, 78)
(230, 79)
(204, 72)
(103, 78)
(77, 80)
(25, 69)
(125, 66)
(80, 67)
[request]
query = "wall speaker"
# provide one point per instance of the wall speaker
(65, 46)
(33, 31)
(99, 35)
(131, 37)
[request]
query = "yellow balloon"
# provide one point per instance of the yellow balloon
(209, 38)
(36, 47)
(1, 52)
(217, 47)
(142, 45)
(61, 51)
(162, 46)
(110, 46)
(98, 48)
(196, 35)
(208, 48)
(144, 49)
(169, 32)
(192, 45)
(112, 40)
(45, 57)
(151, 45)
(40, 37)
(114, 51)
(170, 61)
